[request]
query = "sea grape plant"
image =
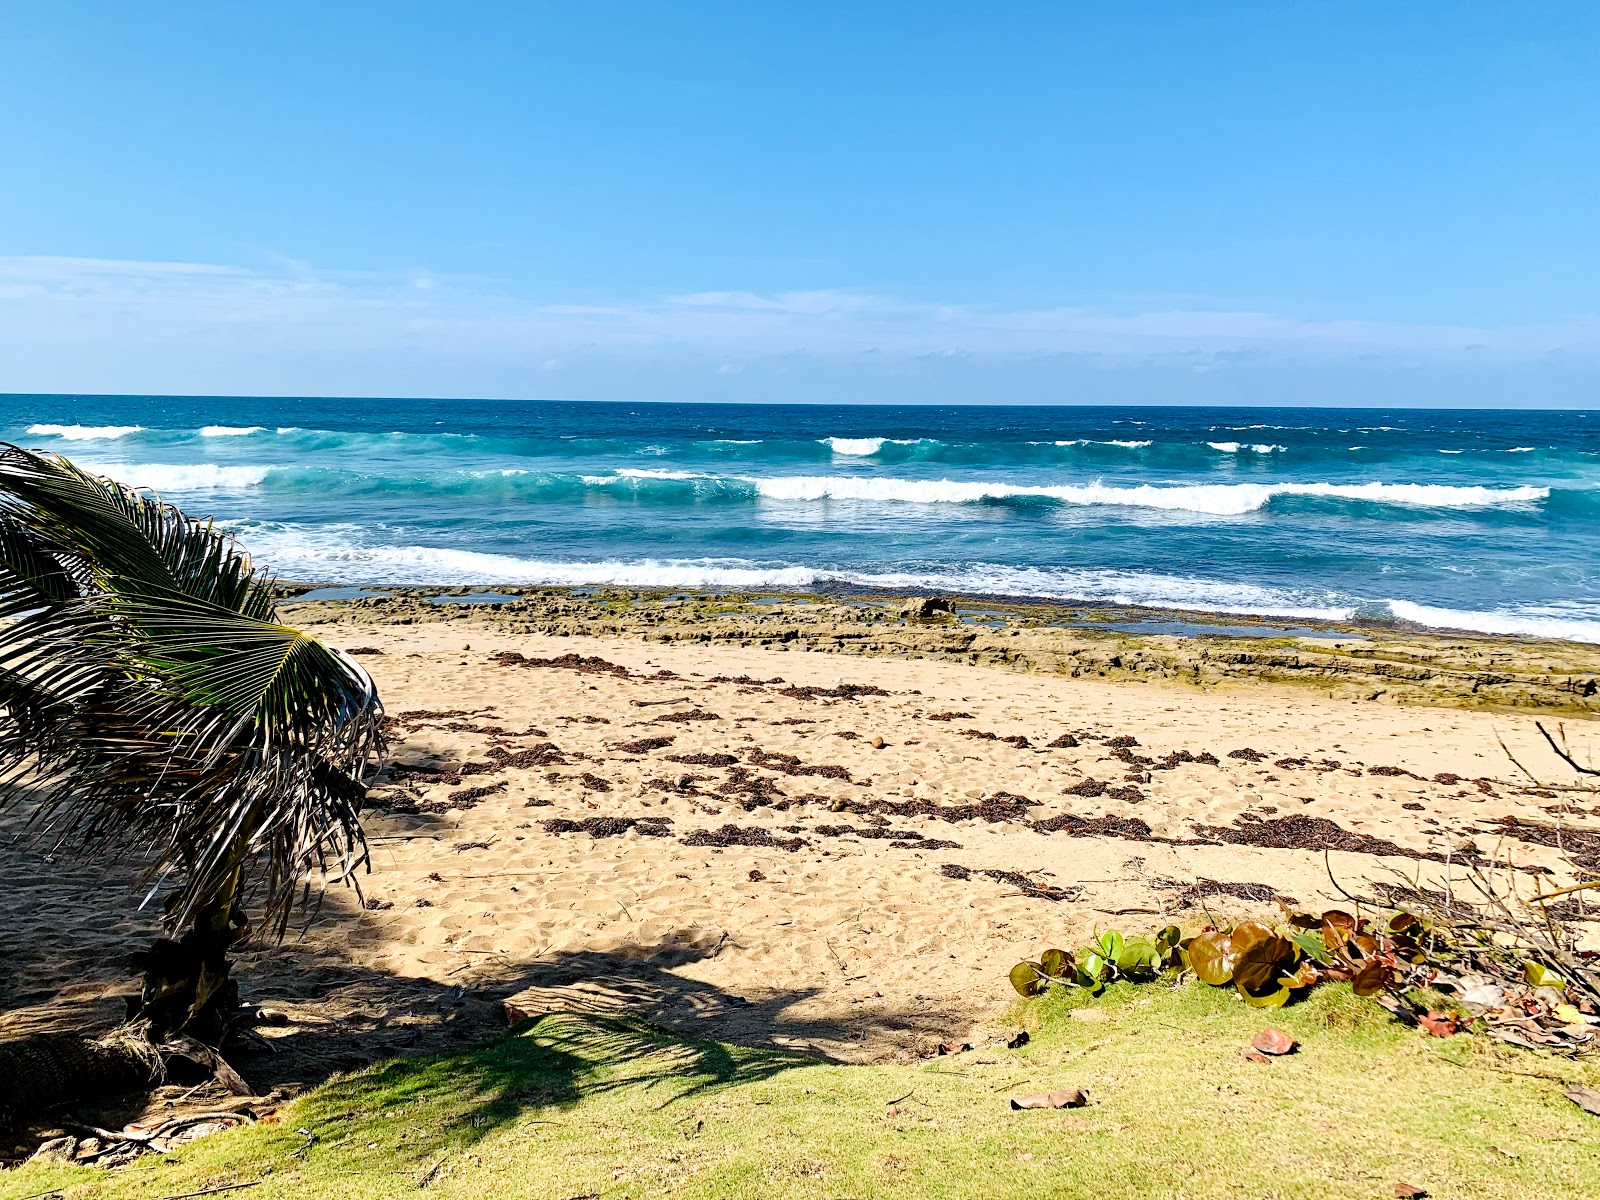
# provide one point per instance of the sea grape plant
(1266, 965)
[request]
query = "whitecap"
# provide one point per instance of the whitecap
(181, 477)
(84, 433)
(854, 446)
(1217, 499)
(231, 430)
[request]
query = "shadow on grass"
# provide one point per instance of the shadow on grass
(551, 1062)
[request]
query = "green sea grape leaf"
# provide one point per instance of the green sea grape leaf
(1027, 978)
(1311, 945)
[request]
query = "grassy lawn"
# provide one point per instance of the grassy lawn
(586, 1106)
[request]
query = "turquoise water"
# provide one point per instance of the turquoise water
(1478, 520)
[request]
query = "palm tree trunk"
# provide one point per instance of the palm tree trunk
(188, 985)
(39, 1073)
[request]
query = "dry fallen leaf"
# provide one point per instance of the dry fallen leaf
(1439, 1024)
(1585, 1098)
(1272, 1040)
(1409, 1191)
(1070, 1098)
(953, 1048)
(1256, 1056)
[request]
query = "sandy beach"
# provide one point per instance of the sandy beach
(843, 853)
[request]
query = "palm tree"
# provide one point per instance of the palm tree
(153, 708)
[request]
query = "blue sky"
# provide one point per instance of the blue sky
(1056, 203)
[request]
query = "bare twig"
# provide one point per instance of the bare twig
(212, 1191)
(1561, 753)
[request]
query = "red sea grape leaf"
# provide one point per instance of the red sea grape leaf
(1273, 1040)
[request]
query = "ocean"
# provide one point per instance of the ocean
(1485, 521)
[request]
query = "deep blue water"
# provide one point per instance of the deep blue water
(1478, 520)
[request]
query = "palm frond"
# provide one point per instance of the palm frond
(151, 702)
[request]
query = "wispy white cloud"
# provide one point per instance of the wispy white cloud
(75, 323)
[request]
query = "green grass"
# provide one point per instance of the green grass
(579, 1105)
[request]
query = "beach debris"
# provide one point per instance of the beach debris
(1065, 742)
(1585, 1098)
(1274, 1041)
(703, 759)
(949, 716)
(583, 665)
(603, 827)
(1246, 754)
(693, 714)
(92, 1146)
(734, 835)
(643, 745)
(877, 743)
(1018, 740)
(788, 764)
(363, 650)
(1065, 1098)
(843, 691)
(1203, 889)
(1439, 1024)
(1301, 832)
(756, 876)
(1128, 829)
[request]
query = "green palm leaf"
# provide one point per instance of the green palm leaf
(152, 704)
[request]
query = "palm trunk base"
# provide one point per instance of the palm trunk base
(188, 988)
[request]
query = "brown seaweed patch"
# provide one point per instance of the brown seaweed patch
(602, 827)
(582, 664)
(845, 691)
(734, 835)
(1299, 832)
(693, 714)
(643, 745)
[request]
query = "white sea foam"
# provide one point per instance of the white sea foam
(325, 554)
(855, 446)
(1113, 442)
(1519, 450)
(337, 552)
(1217, 499)
(181, 477)
(861, 447)
(230, 430)
(1533, 624)
(84, 433)
(1253, 447)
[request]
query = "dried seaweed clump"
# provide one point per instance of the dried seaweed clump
(1305, 833)
(645, 744)
(602, 827)
(845, 691)
(582, 664)
(734, 835)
